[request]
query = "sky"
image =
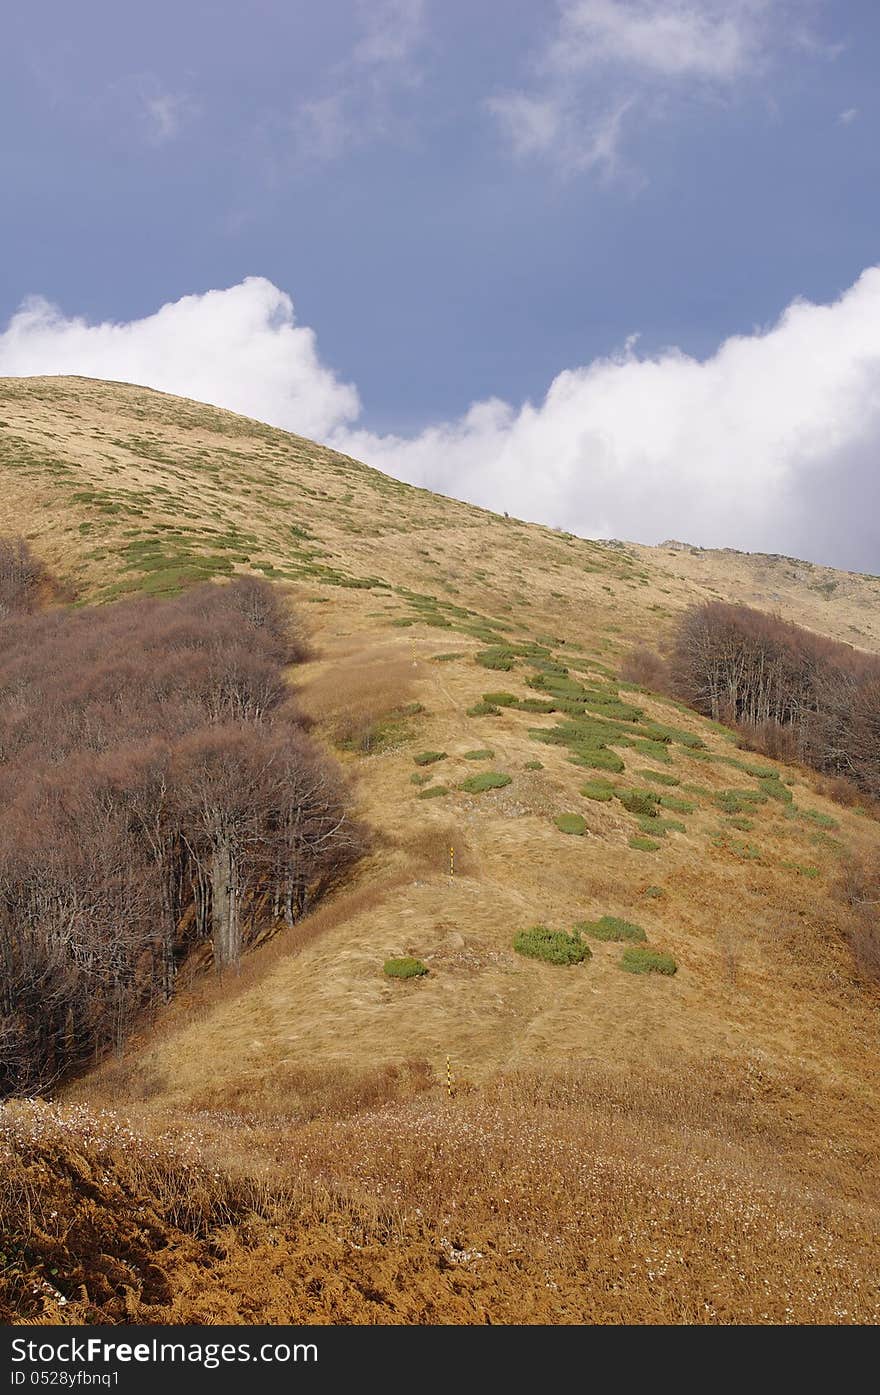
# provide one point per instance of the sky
(610, 265)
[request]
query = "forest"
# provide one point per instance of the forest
(159, 791)
(792, 694)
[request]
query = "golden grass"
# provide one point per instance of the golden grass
(585, 1194)
(698, 1148)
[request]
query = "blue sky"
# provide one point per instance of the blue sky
(464, 202)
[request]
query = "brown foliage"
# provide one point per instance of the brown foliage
(793, 694)
(592, 1194)
(858, 887)
(646, 667)
(157, 789)
(24, 580)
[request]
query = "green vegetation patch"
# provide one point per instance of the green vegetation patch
(739, 801)
(497, 657)
(800, 870)
(640, 959)
(488, 780)
(483, 709)
(429, 757)
(600, 790)
(776, 789)
(553, 946)
(434, 792)
(535, 705)
(533, 765)
(499, 699)
(478, 755)
(611, 927)
(571, 823)
(644, 844)
(405, 968)
(817, 817)
(642, 802)
(659, 777)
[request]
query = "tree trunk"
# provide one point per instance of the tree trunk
(225, 920)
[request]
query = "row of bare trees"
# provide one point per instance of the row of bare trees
(795, 694)
(158, 789)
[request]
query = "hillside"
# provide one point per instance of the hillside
(451, 644)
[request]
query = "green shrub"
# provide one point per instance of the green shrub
(533, 765)
(405, 968)
(654, 750)
(816, 816)
(553, 946)
(434, 792)
(535, 705)
(729, 802)
(417, 779)
(644, 844)
(570, 823)
(429, 757)
(447, 658)
(758, 772)
(801, 871)
(483, 709)
(776, 790)
(654, 891)
(478, 755)
(744, 825)
(658, 732)
(640, 959)
(498, 657)
(659, 777)
(611, 927)
(678, 806)
(488, 780)
(642, 802)
(601, 790)
(499, 699)
(599, 758)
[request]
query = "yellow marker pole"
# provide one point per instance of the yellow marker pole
(452, 862)
(449, 1077)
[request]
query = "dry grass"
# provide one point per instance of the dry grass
(359, 701)
(323, 1175)
(588, 1195)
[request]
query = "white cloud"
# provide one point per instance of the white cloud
(356, 106)
(675, 38)
(605, 58)
(771, 443)
(538, 125)
(164, 113)
(847, 117)
(240, 348)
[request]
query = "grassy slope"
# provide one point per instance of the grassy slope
(125, 489)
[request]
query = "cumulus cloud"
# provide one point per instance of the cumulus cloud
(771, 443)
(239, 348)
